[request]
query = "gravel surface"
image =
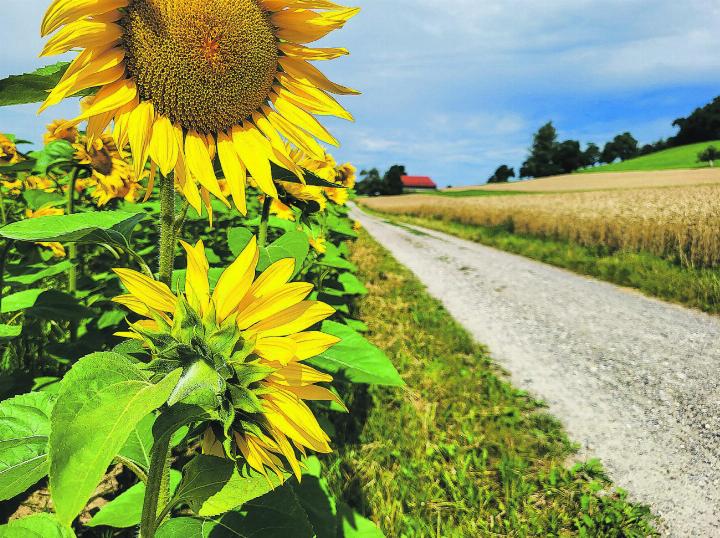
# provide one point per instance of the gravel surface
(633, 379)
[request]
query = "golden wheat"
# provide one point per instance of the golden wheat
(681, 224)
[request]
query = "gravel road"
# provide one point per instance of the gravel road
(633, 379)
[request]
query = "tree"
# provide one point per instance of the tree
(709, 155)
(626, 146)
(660, 145)
(609, 153)
(568, 156)
(370, 183)
(591, 155)
(700, 126)
(541, 162)
(393, 179)
(502, 174)
(623, 146)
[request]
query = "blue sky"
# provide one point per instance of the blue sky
(453, 89)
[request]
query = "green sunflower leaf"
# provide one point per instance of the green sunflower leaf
(238, 239)
(293, 244)
(213, 485)
(113, 227)
(125, 510)
(24, 432)
(36, 526)
(102, 399)
(277, 514)
(33, 87)
(35, 273)
(10, 331)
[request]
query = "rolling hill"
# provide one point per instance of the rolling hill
(680, 158)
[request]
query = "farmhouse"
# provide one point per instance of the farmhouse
(418, 183)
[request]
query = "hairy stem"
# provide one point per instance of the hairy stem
(264, 219)
(157, 487)
(73, 253)
(167, 229)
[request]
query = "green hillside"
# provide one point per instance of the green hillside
(669, 159)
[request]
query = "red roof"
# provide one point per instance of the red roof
(415, 182)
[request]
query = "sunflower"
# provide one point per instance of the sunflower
(57, 131)
(249, 335)
(14, 187)
(183, 81)
(111, 176)
(8, 152)
(33, 183)
(346, 175)
(304, 193)
(326, 168)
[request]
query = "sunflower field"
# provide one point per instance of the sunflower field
(178, 327)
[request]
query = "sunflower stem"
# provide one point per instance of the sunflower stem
(72, 249)
(167, 229)
(3, 256)
(157, 487)
(264, 219)
(73, 253)
(3, 214)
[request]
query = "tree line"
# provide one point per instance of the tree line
(373, 184)
(549, 156)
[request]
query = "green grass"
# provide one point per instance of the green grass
(682, 157)
(655, 276)
(459, 452)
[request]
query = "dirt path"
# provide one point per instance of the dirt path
(634, 380)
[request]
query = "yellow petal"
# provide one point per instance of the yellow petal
(197, 155)
(274, 303)
(140, 132)
(197, 287)
(299, 375)
(254, 150)
(235, 281)
(62, 12)
(295, 319)
(84, 34)
(164, 145)
(234, 170)
(312, 343)
(278, 348)
(154, 294)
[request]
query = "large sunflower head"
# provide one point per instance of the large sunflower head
(241, 346)
(185, 81)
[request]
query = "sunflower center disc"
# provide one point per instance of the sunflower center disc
(205, 64)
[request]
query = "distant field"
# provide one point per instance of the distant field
(678, 224)
(473, 192)
(684, 157)
(601, 181)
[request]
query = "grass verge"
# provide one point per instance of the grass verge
(459, 452)
(655, 276)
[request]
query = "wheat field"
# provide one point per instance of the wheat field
(679, 224)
